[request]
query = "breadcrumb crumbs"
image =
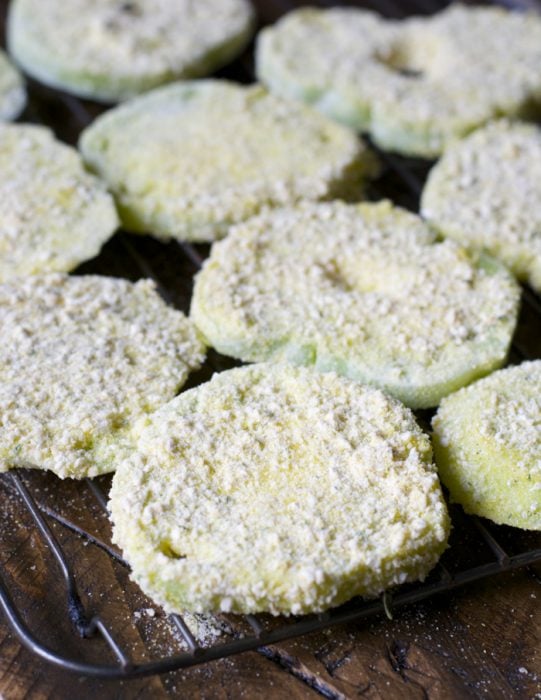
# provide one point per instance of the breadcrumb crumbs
(274, 488)
(12, 90)
(81, 358)
(110, 50)
(487, 439)
(53, 214)
(365, 290)
(191, 159)
(485, 192)
(415, 84)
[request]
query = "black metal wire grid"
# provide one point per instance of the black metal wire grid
(253, 632)
(86, 625)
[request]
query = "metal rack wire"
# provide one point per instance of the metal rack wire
(250, 632)
(441, 581)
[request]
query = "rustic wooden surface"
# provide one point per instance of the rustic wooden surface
(481, 642)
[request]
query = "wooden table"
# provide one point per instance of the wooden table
(483, 641)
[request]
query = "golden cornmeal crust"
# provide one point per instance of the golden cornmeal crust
(80, 359)
(12, 90)
(110, 50)
(53, 214)
(487, 441)
(365, 290)
(188, 160)
(274, 488)
(415, 84)
(486, 193)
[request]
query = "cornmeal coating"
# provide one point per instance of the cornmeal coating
(365, 290)
(487, 442)
(80, 359)
(110, 50)
(12, 90)
(414, 85)
(188, 160)
(277, 489)
(486, 193)
(53, 214)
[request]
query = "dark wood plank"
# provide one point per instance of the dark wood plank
(484, 642)
(139, 625)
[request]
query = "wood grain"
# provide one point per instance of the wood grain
(481, 642)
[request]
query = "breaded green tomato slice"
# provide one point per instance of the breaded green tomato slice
(53, 214)
(12, 91)
(80, 359)
(277, 489)
(486, 193)
(109, 50)
(414, 85)
(365, 290)
(487, 442)
(188, 160)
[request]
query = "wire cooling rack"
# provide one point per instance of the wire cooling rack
(478, 549)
